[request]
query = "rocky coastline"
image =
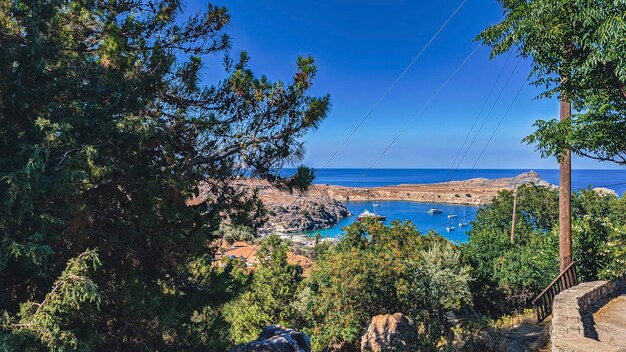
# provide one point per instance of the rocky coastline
(323, 206)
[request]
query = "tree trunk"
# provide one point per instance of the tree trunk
(565, 197)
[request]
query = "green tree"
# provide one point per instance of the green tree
(516, 272)
(106, 130)
(377, 269)
(270, 297)
(577, 51)
(437, 282)
(512, 272)
(232, 233)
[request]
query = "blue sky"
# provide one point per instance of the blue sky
(362, 46)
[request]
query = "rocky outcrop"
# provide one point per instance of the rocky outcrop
(287, 212)
(605, 192)
(390, 332)
(299, 212)
(305, 214)
(276, 338)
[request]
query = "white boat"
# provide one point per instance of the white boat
(461, 224)
(366, 214)
(452, 216)
(433, 211)
(375, 205)
(450, 228)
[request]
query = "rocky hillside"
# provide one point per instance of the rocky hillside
(290, 212)
(294, 213)
(477, 191)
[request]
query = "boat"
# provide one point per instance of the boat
(450, 228)
(461, 224)
(452, 216)
(433, 211)
(366, 214)
(375, 205)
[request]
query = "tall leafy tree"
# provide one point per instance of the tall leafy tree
(106, 130)
(578, 51)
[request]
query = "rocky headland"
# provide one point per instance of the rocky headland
(476, 191)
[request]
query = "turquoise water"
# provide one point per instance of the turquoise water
(414, 211)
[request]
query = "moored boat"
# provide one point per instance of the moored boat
(450, 228)
(366, 214)
(433, 211)
(452, 216)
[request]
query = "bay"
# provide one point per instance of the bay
(418, 212)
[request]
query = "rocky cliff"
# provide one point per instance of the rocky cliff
(296, 213)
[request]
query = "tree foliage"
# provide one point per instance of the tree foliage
(106, 130)
(578, 51)
(270, 297)
(376, 269)
(63, 320)
(508, 275)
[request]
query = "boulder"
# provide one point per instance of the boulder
(390, 332)
(276, 338)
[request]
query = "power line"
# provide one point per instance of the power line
(410, 122)
(482, 125)
(497, 127)
(402, 74)
(390, 88)
(478, 116)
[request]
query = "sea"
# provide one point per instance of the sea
(447, 223)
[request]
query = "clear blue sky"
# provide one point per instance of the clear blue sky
(362, 46)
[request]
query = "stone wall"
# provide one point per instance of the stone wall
(572, 320)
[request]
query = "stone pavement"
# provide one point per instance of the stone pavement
(610, 323)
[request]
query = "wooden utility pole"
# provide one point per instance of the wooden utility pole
(565, 196)
(514, 215)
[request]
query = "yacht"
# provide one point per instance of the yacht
(450, 228)
(366, 214)
(433, 211)
(452, 216)
(461, 224)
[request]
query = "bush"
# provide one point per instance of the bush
(233, 233)
(270, 296)
(516, 272)
(375, 270)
